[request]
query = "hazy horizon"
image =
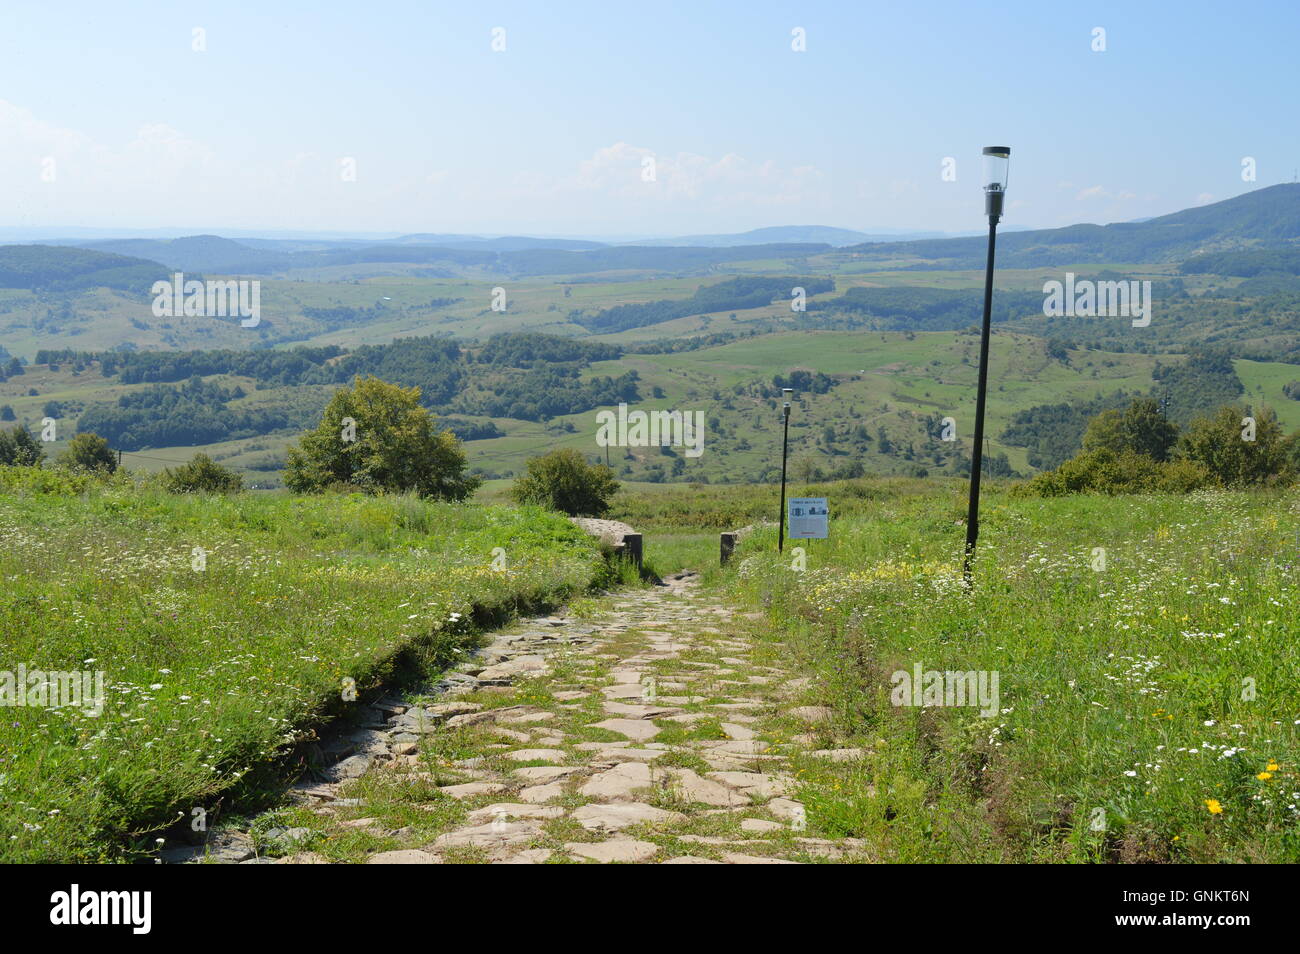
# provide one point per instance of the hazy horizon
(511, 120)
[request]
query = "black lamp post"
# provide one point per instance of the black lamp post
(786, 394)
(996, 160)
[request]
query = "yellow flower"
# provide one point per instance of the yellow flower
(1213, 805)
(1264, 776)
(1272, 766)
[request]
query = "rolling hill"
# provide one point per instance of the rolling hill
(1265, 217)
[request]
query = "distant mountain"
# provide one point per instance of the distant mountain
(506, 243)
(1268, 217)
(815, 234)
(195, 253)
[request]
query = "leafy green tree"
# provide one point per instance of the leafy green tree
(375, 436)
(90, 453)
(202, 475)
(1220, 444)
(563, 480)
(1139, 428)
(19, 449)
(6, 413)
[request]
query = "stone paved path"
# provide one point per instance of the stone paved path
(654, 730)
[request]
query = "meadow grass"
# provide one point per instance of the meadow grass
(1147, 657)
(226, 628)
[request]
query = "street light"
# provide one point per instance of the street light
(786, 394)
(996, 161)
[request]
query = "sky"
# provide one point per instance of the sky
(622, 119)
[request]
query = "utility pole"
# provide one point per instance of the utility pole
(785, 444)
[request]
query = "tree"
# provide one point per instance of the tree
(6, 413)
(89, 452)
(1220, 444)
(1140, 428)
(19, 449)
(563, 480)
(202, 475)
(375, 436)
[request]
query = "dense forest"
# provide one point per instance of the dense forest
(929, 309)
(53, 268)
(527, 376)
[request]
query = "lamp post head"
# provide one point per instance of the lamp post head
(786, 394)
(997, 159)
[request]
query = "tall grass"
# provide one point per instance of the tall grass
(226, 626)
(1149, 701)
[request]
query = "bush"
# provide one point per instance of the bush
(202, 475)
(1218, 444)
(563, 480)
(1118, 472)
(19, 449)
(375, 436)
(89, 453)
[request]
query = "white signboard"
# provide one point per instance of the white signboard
(807, 518)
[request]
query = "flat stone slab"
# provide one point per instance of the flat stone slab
(640, 712)
(616, 849)
(546, 773)
(502, 810)
(490, 835)
(538, 755)
(472, 789)
(696, 788)
(619, 815)
(753, 783)
(406, 856)
(541, 793)
(638, 730)
(619, 782)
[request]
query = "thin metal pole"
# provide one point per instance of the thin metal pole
(973, 513)
(785, 441)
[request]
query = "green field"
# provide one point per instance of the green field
(1148, 709)
(225, 628)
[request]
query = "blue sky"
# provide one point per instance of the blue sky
(110, 118)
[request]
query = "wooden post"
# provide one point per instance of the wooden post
(728, 547)
(632, 548)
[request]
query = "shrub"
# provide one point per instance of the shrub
(89, 453)
(19, 449)
(1124, 472)
(202, 475)
(563, 480)
(1218, 443)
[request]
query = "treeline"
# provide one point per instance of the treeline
(193, 413)
(804, 381)
(1245, 264)
(736, 294)
(527, 376)
(929, 309)
(1053, 433)
(541, 393)
(1138, 450)
(57, 268)
(1205, 381)
(527, 349)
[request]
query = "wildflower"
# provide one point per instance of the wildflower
(1264, 776)
(1214, 807)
